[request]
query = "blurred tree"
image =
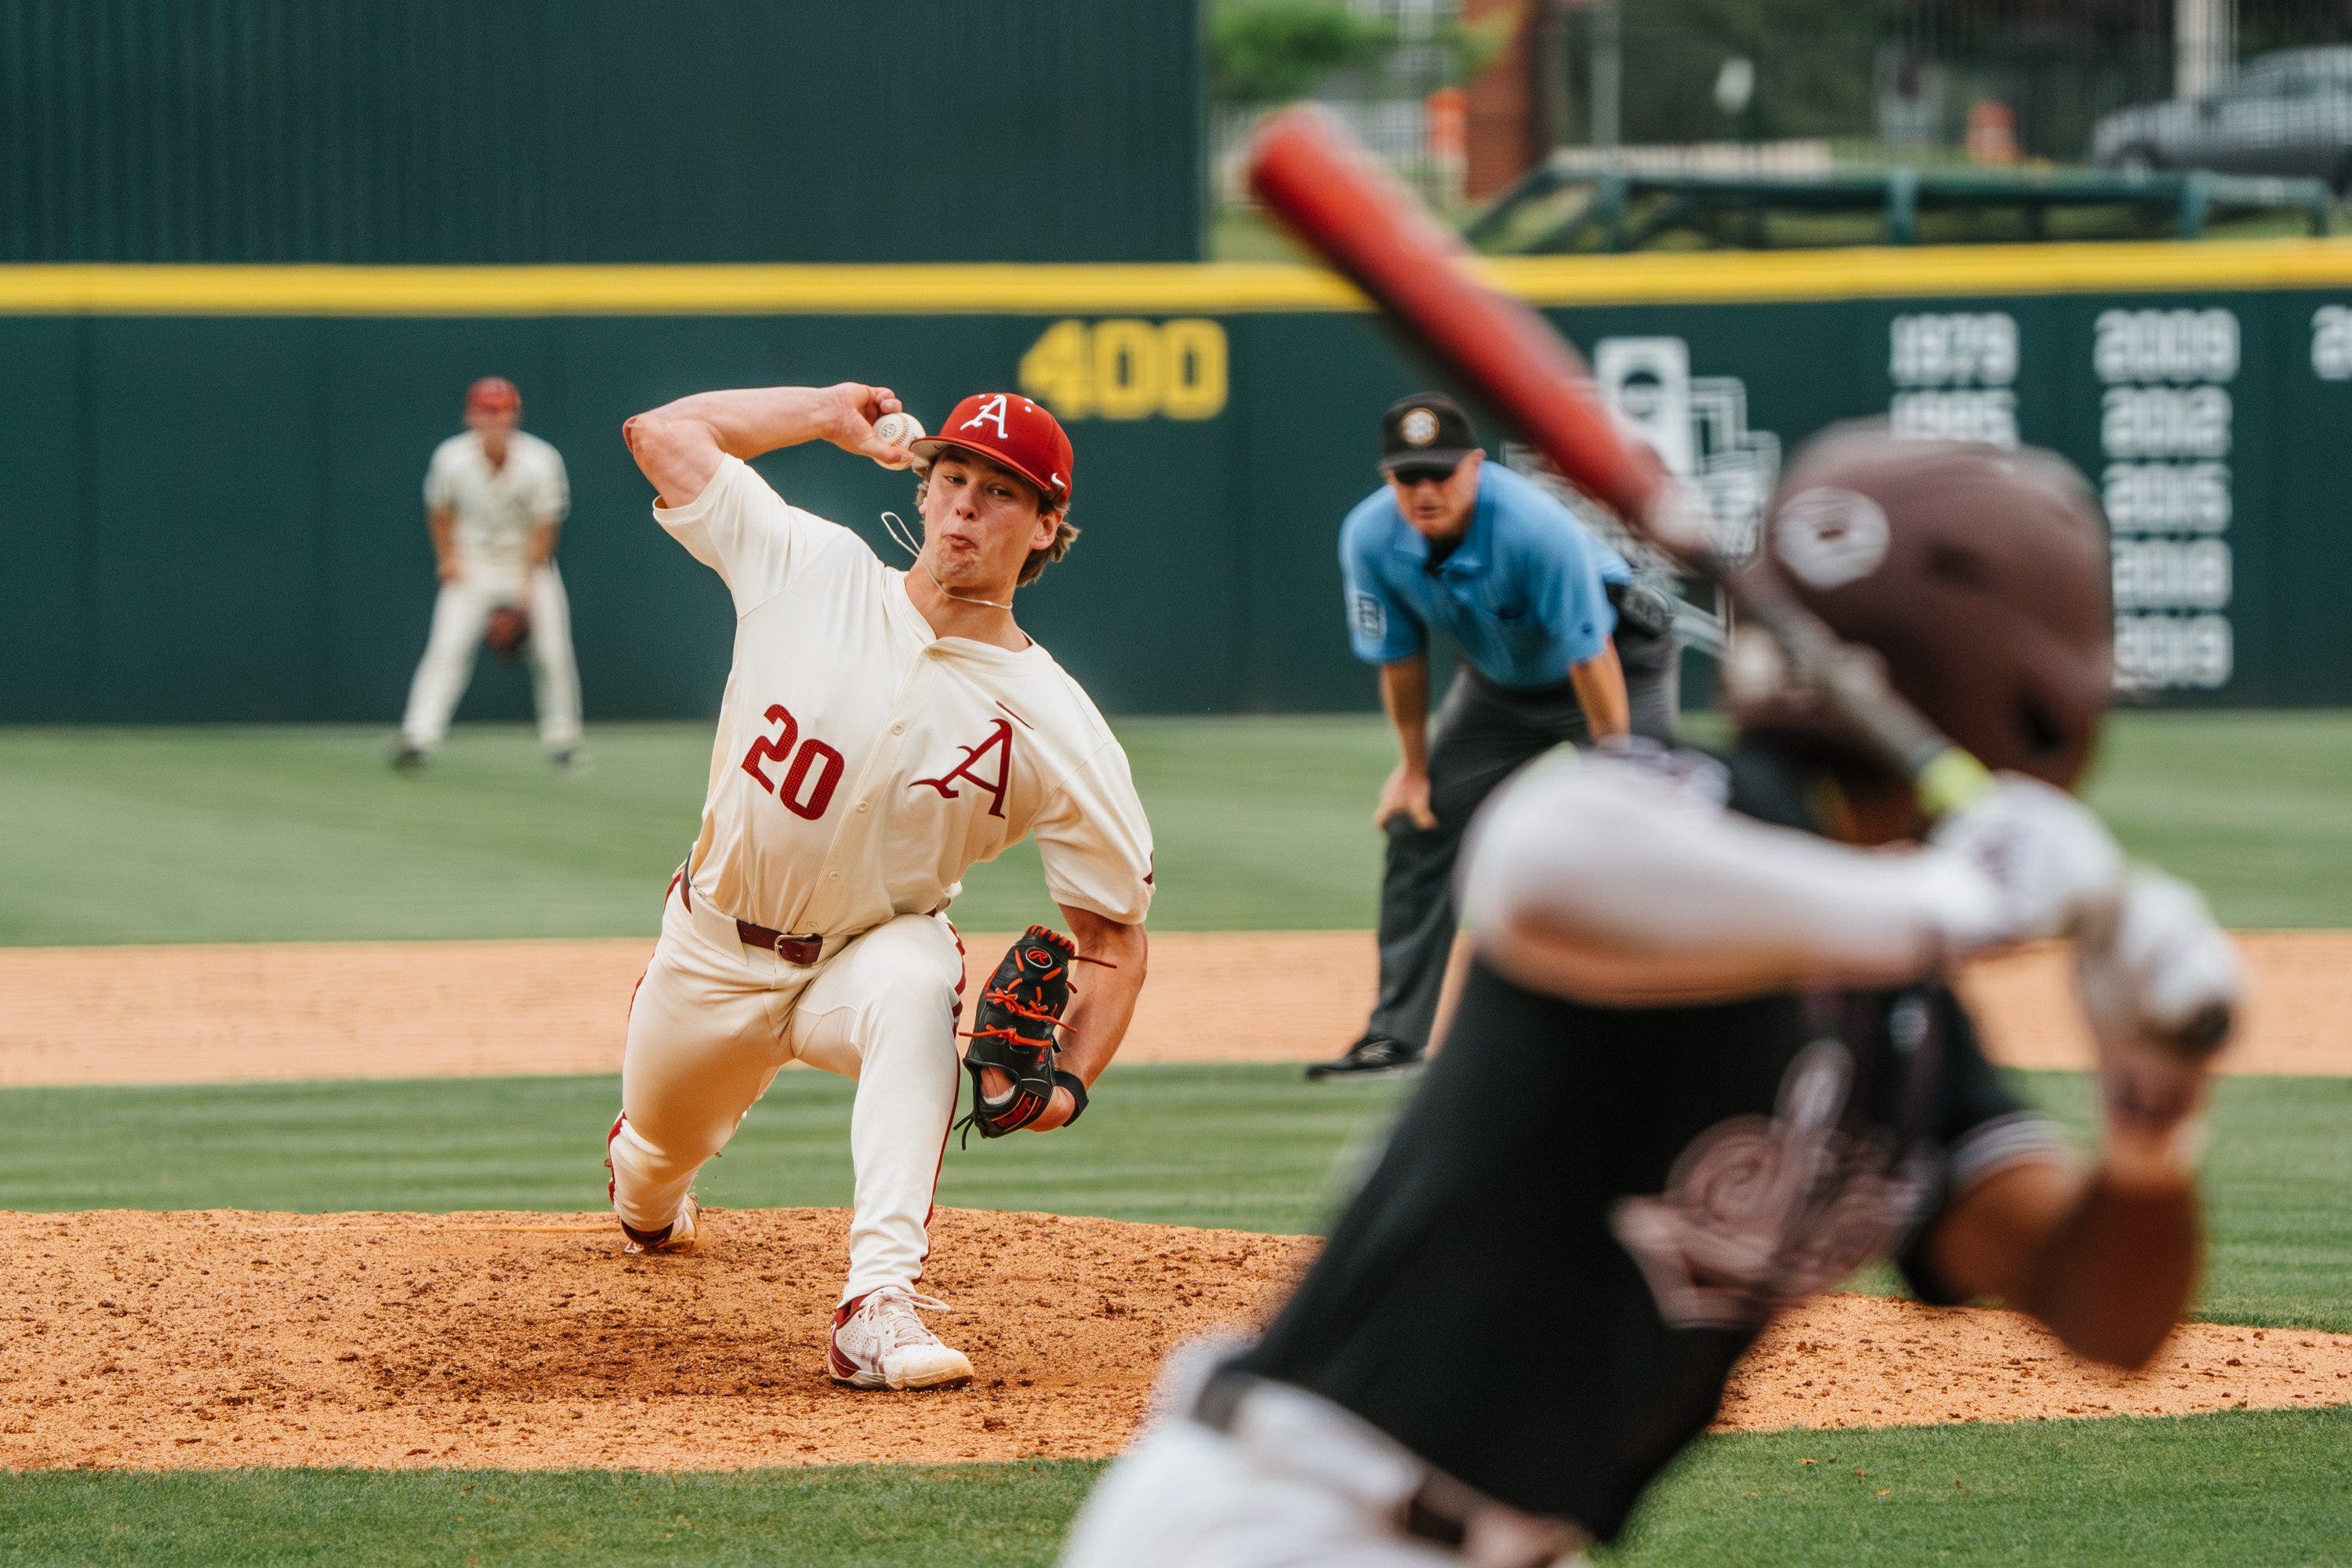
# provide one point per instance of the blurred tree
(1268, 51)
(1271, 51)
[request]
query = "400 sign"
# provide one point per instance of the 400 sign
(1126, 368)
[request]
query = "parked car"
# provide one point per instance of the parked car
(2288, 112)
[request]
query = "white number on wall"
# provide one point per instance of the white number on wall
(2165, 345)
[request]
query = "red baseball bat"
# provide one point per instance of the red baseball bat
(1313, 176)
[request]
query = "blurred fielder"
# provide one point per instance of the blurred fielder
(1559, 644)
(881, 731)
(1708, 1063)
(494, 500)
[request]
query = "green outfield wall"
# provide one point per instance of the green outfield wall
(213, 505)
(517, 131)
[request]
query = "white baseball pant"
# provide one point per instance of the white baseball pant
(461, 614)
(714, 1021)
(1297, 1482)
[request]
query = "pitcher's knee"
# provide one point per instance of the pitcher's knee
(921, 1011)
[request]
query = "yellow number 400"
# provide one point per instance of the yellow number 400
(1129, 369)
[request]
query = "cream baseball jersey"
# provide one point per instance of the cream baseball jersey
(863, 765)
(495, 509)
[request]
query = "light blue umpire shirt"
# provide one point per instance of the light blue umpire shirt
(1524, 596)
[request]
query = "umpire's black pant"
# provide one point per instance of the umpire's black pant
(1483, 733)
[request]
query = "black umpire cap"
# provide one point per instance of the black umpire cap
(1424, 433)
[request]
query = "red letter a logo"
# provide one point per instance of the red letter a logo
(1000, 741)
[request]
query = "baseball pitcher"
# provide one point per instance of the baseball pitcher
(494, 500)
(881, 731)
(1707, 1062)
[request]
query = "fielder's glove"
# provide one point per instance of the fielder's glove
(1013, 1030)
(510, 629)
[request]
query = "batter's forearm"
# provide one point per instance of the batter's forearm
(1599, 686)
(1404, 693)
(1104, 992)
(2107, 1259)
(542, 544)
(441, 527)
(2119, 1273)
(1604, 882)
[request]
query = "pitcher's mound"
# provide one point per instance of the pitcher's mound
(527, 1340)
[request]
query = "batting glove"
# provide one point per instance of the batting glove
(2047, 866)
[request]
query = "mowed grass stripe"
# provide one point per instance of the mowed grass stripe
(1241, 1147)
(2228, 1490)
(274, 833)
(269, 833)
(868, 1516)
(2252, 1488)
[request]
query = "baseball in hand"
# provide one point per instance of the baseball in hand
(900, 430)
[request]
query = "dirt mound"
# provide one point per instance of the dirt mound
(224, 1338)
(1859, 1361)
(527, 1341)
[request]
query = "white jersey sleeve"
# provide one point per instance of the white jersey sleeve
(1096, 842)
(1599, 880)
(742, 530)
(441, 478)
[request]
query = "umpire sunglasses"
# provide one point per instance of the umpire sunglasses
(1411, 473)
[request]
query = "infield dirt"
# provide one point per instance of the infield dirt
(204, 1339)
(211, 1014)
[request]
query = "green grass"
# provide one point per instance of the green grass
(282, 833)
(2233, 1490)
(2255, 808)
(1250, 1148)
(263, 835)
(2244, 1489)
(872, 1516)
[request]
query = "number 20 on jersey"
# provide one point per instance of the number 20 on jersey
(812, 769)
(1129, 369)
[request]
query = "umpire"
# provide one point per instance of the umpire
(1557, 644)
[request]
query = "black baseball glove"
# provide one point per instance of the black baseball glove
(1013, 1029)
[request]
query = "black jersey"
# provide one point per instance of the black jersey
(1586, 1215)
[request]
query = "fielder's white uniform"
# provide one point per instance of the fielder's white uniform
(862, 765)
(494, 511)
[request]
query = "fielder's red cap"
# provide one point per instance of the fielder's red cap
(1006, 427)
(492, 394)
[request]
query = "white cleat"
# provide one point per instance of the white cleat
(677, 1236)
(878, 1342)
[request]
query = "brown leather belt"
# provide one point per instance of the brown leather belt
(799, 950)
(803, 950)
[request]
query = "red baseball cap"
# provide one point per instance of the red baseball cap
(493, 394)
(1006, 427)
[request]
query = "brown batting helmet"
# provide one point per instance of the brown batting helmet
(1979, 574)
